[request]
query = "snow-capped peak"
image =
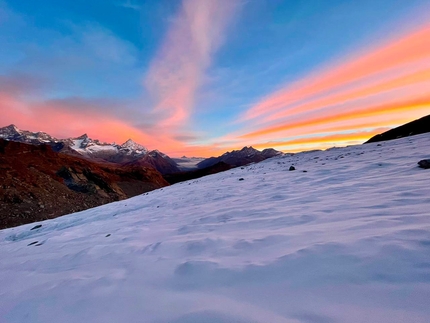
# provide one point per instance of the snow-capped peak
(13, 133)
(9, 130)
(83, 137)
(156, 152)
(129, 151)
(130, 144)
(12, 127)
(80, 142)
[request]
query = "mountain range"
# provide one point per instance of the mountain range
(128, 153)
(44, 177)
(241, 157)
(131, 153)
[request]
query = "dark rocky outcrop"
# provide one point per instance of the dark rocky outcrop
(38, 183)
(425, 163)
(161, 162)
(416, 127)
(235, 158)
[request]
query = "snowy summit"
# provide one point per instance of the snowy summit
(131, 146)
(345, 237)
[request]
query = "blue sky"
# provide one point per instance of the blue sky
(121, 58)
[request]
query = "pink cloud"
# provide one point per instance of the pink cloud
(404, 51)
(381, 86)
(177, 71)
(62, 122)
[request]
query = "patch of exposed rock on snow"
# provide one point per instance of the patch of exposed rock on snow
(345, 237)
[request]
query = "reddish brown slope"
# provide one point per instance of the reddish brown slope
(37, 183)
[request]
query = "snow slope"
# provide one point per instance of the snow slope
(346, 241)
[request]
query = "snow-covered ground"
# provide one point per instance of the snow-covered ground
(346, 241)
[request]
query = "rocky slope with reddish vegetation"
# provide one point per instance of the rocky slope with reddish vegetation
(38, 183)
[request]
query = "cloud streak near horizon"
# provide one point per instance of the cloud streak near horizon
(383, 85)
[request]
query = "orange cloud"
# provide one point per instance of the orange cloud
(64, 122)
(409, 49)
(178, 69)
(415, 79)
(173, 79)
(328, 140)
(382, 87)
(61, 123)
(381, 111)
(367, 126)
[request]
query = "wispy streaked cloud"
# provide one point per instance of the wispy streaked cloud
(71, 117)
(80, 81)
(325, 141)
(60, 120)
(385, 82)
(177, 71)
(103, 45)
(17, 83)
(129, 4)
(409, 49)
(192, 76)
(380, 111)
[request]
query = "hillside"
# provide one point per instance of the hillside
(412, 128)
(38, 183)
(343, 238)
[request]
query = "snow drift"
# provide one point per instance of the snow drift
(343, 238)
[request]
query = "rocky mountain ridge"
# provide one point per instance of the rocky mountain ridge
(128, 153)
(241, 157)
(131, 153)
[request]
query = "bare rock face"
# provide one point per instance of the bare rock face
(241, 157)
(425, 163)
(161, 162)
(39, 183)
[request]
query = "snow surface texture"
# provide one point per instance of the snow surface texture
(346, 241)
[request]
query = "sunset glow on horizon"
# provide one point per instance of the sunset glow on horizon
(202, 77)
